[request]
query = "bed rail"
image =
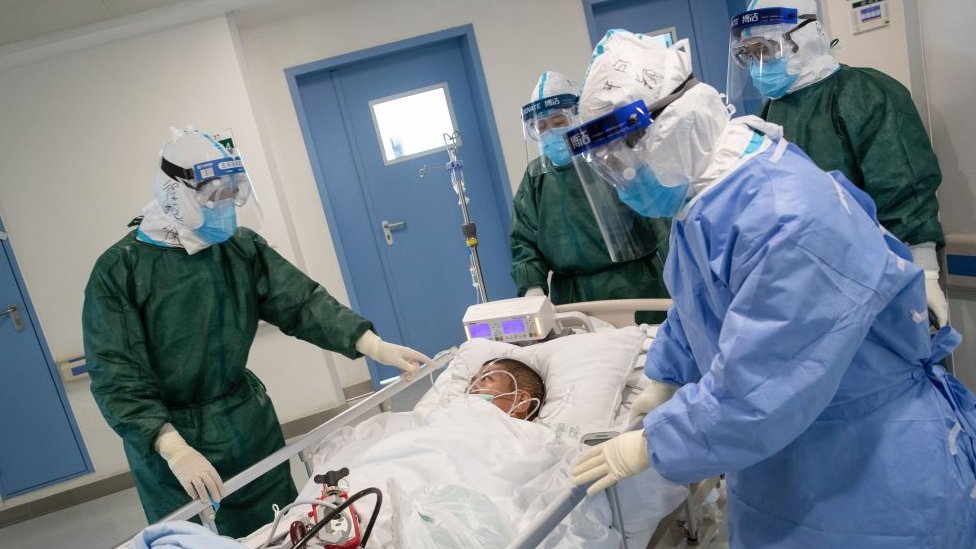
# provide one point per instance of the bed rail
(305, 442)
(550, 517)
(619, 312)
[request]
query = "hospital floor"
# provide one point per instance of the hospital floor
(106, 522)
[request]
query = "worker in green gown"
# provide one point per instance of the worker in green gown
(170, 313)
(553, 226)
(856, 120)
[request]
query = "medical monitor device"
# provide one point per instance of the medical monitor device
(511, 320)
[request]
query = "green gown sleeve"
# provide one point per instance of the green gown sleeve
(301, 307)
(529, 267)
(894, 155)
(122, 382)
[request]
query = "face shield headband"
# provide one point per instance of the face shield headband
(544, 123)
(629, 122)
(538, 116)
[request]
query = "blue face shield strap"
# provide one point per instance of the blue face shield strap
(630, 121)
(609, 127)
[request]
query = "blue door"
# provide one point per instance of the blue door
(39, 441)
(705, 23)
(412, 280)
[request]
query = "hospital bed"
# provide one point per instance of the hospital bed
(685, 525)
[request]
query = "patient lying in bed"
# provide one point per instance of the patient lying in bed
(519, 466)
(467, 441)
(511, 385)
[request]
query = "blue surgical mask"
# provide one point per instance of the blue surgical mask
(219, 222)
(555, 148)
(773, 80)
(647, 196)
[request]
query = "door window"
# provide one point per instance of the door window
(413, 123)
(666, 37)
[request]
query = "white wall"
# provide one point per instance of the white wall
(79, 144)
(945, 44)
(950, 75)
(885, 49)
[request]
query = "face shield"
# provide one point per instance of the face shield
(760, 48)
(202, 193)
(208, 185)
(604, 158)
(544, 125)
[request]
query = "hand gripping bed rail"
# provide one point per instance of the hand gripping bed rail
(559, 509)
(312, 438)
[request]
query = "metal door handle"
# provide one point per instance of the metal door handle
(14, 316)
(389, 227)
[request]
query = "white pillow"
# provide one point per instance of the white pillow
(584, 376)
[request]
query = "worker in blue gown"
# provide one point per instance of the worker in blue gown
(798, 342)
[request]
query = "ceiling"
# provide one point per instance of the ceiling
(27, 20)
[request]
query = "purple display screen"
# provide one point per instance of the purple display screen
(479, 330)
(515, 326)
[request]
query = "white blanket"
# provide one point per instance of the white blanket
(520, 466)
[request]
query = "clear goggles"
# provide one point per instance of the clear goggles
(544, 124)
(558, 111)
(747, 47)
(760, 46)
(213, 180)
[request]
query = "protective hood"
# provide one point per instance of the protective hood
(626, 67)
(552, 84)
(682, 139)
(549, 114)
(176, 217)
(812, 61)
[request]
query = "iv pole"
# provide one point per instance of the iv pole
(468, 229)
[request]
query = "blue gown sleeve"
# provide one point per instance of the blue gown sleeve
(669, 360)
(792, 329)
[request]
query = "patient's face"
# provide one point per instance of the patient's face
(493, 380)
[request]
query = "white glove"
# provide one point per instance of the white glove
(534, 291)
(195, 473)
(623, 456)
(651, 397)
(397, 356)
(924, 256)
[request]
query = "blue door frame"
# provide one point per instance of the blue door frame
(30, 320)
(500, 187)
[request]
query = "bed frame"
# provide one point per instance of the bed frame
(683, 522)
